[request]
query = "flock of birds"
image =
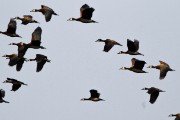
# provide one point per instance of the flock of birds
(86, 13)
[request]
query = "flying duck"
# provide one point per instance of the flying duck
(163, 67)
(11, 30)
(26, 19)
(154, 93)
(86, 13)
(133, 48)
(41, 60)
(46, 11)
(94, 96)
(137, 66)
(108, 44)
(16, 84)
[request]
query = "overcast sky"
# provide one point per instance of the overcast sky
(78, 63)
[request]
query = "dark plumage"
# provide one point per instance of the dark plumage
(46, 11)
(2, 95)
(108, 44)
(133, 48)
(86, 13)
(16, 84)
(137, 66)
(26, 19)
(11, 30)
(163, 67)
(41, 60)
(154, 93)
(94, 96)
(175, 115)
(14, 59)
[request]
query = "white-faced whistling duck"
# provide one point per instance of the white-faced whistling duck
(41, 60)
(2, 95)
(11, 30)
(94, 96)
(26, 19)
(163, 67)
(137, 66)
(46, 11)
(154, 93)
(133, 48)
(16, 84)
(14, 59)
(36, 39)
(22, 48)
(175, 115)
(86, 13)
(108, 44)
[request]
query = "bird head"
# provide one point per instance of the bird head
(71, 19)
(99, 40)
(7, 81)
(121, 52)
(145, 88)
(34, 10)
(16, 18)
(150, 66)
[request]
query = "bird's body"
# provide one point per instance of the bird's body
(86, 13)
(154, 93)
(46, 11)
(175, 115)
(26, 19)
(41, 60)
(163, 67)
(11, 30)
(108, 44)
(133, 48)
(16, 84)
(137, 66)
(95, 96)
(2, 95)
(14, 59)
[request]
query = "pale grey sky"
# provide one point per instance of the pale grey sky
(79, 64)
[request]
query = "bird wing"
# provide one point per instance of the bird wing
(136, 43)
(139, 64)
(108, 46)
(13, 60)
(11, 79)
(48, 14)
(36, 37)
(16, 87)
(40, 65)
(2, 93)
(12, 26)
(27, 17)
(161, 62)
(133, 61)
(131, 46)
(153, 97)
(40, 56)
(44, 7)
(86, 12)
(163, 72)
(20, 64)
(22, 50)
(94, 94)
